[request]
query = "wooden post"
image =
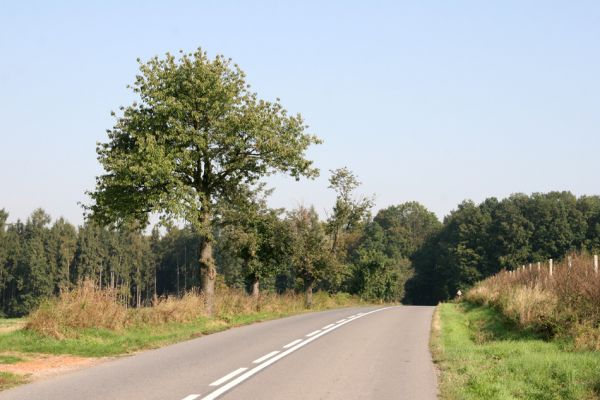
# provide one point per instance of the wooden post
(570, 261)
(530, 266)
(550, 264)
(539, 266)
(595, 263)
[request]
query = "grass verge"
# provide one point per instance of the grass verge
(88, 322)
(482, 355)
(102, 342)
(8, 380)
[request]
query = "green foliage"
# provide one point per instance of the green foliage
(311, 254)
(256, 234)
(348, 213)
(377, 275)
(195, 136)
(406, 227)
(381, 259)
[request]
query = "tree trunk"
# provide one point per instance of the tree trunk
(138, 296)
(255, 287)
(335, 240)
(308, 285)
(208, 273)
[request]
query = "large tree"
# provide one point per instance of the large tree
(196, 134)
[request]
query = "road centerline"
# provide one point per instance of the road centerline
(295, 342)
(266, 356)
(227, 377)
(233, 383)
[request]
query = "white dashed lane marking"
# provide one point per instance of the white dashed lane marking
(275, 356)
(228, 377)
(287, 346)
(266, 356)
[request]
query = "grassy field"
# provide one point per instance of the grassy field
(482, 355)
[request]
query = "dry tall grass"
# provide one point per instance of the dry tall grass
(566, 302)
(89, 307)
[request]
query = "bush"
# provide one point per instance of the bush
(84, 307)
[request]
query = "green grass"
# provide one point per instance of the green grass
(8, 380)
(483, 356)
(10, 359)
(104, 342)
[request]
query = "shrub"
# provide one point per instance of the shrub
(84, 307)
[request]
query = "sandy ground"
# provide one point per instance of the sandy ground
(39, 366)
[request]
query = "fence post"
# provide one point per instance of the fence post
(539, 266)
(530, 266)
(570, 261)
(550, 264)
(595, 263)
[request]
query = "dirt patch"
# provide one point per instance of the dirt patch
(12, 327)
(37, 366)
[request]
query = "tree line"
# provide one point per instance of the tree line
(256, 248)
(479, 240)
(402, 253)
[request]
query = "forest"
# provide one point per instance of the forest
(401, 253)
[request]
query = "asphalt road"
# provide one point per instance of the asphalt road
(358, 353)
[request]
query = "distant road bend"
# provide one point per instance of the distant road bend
(359, 353)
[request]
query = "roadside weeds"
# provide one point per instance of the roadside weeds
(482, 355)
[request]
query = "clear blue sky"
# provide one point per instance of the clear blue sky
(434, 101)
